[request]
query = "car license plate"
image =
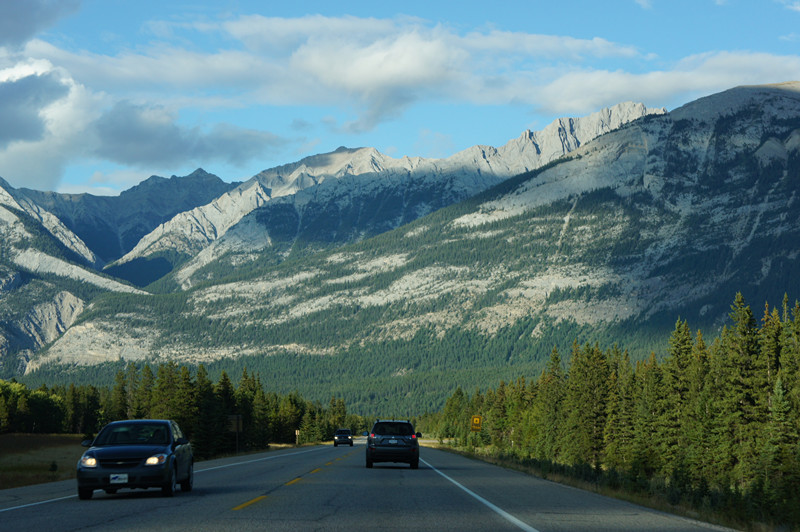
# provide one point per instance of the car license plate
(393, 442)
(120, 478)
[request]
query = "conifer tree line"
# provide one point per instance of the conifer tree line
(711, 426)
(218, 417)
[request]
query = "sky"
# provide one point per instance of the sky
(98, 95)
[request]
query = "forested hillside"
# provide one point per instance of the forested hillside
(713, 426)
(207, 411)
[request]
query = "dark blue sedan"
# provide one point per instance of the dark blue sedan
(141, 453)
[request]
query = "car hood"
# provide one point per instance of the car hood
(128, 451)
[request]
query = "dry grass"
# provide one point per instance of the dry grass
(27, 459)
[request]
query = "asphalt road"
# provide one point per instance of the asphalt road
(327, 488)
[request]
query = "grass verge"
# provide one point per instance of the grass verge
(27, 459)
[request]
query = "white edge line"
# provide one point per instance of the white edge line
(36, 503)
(502, 513)
(198, 471)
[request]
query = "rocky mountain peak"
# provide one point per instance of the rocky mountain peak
(357, 172)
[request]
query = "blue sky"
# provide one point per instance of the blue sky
(97, 95)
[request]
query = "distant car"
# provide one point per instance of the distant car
(342, 437)
(142, 453)
(393, 441)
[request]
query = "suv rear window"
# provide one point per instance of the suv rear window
(386, 428)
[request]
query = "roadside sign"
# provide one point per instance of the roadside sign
(476, 423)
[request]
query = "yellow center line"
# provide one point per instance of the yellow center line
(245, 505)
(293, 481)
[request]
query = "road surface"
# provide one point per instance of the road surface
(329, 488)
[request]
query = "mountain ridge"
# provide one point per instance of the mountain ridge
(459, 176)
(666, 217)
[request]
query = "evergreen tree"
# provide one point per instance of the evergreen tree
(185, 402)
(144, 392)
(585, 406)
(547, 411)
(88, 411)
(496, 422)
(789, 362)
(5, 415)
(453, 421)
(164, 403)
(737, 386)
(72, 410)
(262, 430)
(211, 427)
(245, 395)
(619, 429)
(769, 341)
(118, 409)
(135, 409)
(337, 413)
(696, 423)
(672, 441)
(647, 413)
(290, 414)
(225, 397)
(781, 457)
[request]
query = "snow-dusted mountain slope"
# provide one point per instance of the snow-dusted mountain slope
(346, 174)
(112, 225)
(12, 227)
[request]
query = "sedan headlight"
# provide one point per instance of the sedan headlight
(88, 461)
(157, 459)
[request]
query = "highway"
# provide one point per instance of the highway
(328, 488)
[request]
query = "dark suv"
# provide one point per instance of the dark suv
(393, 441)
(342, 437)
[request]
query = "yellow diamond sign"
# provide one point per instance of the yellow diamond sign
(476, 423)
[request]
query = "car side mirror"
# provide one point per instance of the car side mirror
(181, 441)
(419, 435)
(86, 443)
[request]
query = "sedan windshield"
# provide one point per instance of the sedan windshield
(133, 434)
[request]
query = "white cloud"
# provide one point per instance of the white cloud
(694, 76)
(49, 121)
(374, 67)
(792, 5)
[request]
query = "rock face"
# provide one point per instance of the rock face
(112, 225)
(191, 231)
(42, 324)
(334, 197)
(19, 215)
(47, 321)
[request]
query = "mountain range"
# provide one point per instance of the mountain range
(356, 274)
